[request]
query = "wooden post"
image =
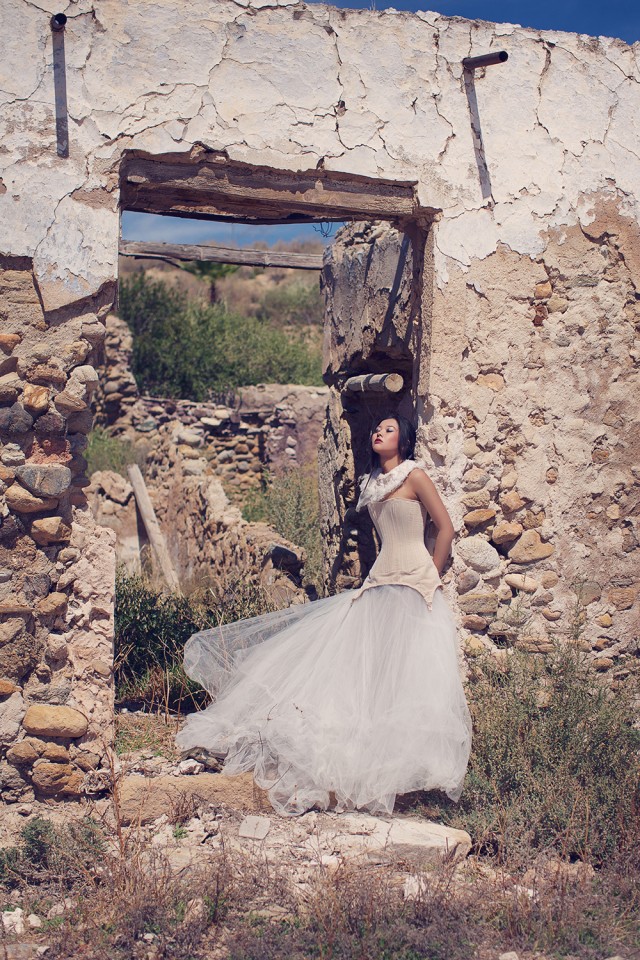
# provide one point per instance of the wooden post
(375, 383)
(152, 526)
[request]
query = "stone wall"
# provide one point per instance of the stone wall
(523, 182)
(528, 432)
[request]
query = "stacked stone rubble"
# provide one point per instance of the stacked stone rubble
(56, 564)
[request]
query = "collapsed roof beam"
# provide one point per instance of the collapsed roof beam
(214, 253)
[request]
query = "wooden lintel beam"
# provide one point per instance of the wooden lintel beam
(160, 187)
(214, 253)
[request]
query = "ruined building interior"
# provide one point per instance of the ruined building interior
(491, 258)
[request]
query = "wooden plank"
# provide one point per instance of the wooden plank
(375, 383)
(156, 537)
(215, 253)
(224, 188)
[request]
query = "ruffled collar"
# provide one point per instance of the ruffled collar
(377, 485)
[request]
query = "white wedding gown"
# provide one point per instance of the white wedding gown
(358, 694)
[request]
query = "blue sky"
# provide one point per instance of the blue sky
(617, 18)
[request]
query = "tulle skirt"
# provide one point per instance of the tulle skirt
(358, 697)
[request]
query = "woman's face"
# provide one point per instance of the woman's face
(385, 438)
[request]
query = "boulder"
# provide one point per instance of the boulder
(43, 720)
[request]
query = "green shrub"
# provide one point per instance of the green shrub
(184, 349)
(555, 763)
(105, 452)
(151, 629)
(49, 854)
(293, 304)
(288, 501)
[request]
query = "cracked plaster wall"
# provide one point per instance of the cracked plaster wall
(526, 363)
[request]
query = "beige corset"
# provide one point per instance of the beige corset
(403, 558)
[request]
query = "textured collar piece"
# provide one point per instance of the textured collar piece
(377, 485)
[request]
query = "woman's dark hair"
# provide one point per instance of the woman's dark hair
(406, 439)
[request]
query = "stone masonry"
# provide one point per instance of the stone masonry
(505, 290)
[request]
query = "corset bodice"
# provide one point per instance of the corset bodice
(403, 558)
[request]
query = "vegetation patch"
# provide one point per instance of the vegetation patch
(184, 348)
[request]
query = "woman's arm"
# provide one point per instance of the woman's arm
(424, 489)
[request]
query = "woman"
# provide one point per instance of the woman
(356, 695)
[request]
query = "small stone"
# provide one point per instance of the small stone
(474, 479)
(50, 530)
(474, 622)
(12, 455)
(508, 480)
(467, 581)
(506, 532)
(9, 341)
(94, 331)
(479, 602)
(53, 605)
(190, 767)
(478, 553)
(45, 480)
(51, 778)
(7, 688)
(587, 591)
(47, 373)
(13, 921)
(476, 518)
(530, 548)
(35, 398)
(22, 753)
(470, 448)
(551, 615)
(511, 501)
(622, 598)
(53, 721)
(15, 420)
(494, 381)
(534, 644)
(520, 581)
(604, 620)
(21, 500)
(254, 828)
(477, 499)
(56, 753)
(542, 291)
(474, 647)
(557, 304)
(549, 579)
(603, 663)
(34, 921)
(51, 424)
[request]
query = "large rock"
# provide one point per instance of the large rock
(417, 841)
(44, 480)
(486, 602)
(144, 800)
(49, 721)
(478, 553)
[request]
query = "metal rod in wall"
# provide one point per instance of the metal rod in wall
(486, 60)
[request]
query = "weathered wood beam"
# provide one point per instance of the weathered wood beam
(215, 253)
(224, 189)
(156, 537)
(375, 383)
